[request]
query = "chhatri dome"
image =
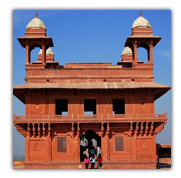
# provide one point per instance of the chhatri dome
(126, 51)
(36, 23)
(141, 22)
(49, 51)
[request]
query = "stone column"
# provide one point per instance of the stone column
(135, 52)
(27, 54)
(34, 130)
(151, 52)
(49, 143)
(43, 54)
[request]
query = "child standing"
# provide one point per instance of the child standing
(99, 160)
(92, 159)
(86, 161)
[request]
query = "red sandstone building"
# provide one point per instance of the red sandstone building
(110, 104)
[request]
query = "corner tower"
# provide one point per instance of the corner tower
(35, 36)
(142, 37)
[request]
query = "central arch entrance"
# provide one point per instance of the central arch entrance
(89, 140)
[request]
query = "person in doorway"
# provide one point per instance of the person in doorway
(98, 151)
(86, 161)
(92, 160)
(92, 151)
(84, 152)
(87, 152)
(99, 160)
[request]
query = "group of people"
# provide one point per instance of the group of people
(92, 155)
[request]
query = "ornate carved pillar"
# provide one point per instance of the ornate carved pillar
(147, 128)
(141, 128)
(43, 129)
(72, 134)
(49, 129)
(137, 128)
(131, 128)
(39, 130)
(33, 129)
(152, 128)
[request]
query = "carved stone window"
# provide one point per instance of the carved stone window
(119, 143)
(61, 144)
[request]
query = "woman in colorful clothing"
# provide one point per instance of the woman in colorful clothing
(86, 161)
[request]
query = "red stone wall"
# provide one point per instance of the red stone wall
(78, 74)
(144, 148)
(141, 31)
(37, 149)
(42, 102)
(62, 130)
(120, 155)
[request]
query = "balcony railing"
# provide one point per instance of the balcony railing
(88, 118)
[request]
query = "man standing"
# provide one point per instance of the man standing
(98, 151)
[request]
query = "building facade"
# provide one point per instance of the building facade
(77, 105)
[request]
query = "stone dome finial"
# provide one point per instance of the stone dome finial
(141, 22)
(126, 51)
(36, 23)
(49, 51)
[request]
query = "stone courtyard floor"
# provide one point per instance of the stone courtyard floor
(20, 165)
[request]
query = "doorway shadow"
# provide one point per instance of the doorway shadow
(89, 140)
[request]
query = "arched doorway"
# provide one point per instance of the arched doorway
(89, 140)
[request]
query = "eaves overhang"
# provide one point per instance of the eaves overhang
(160, 89)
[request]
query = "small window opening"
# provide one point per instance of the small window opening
(118, 106)
(34, 55)
(61, 107)
(90, 106)
(142, 55)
